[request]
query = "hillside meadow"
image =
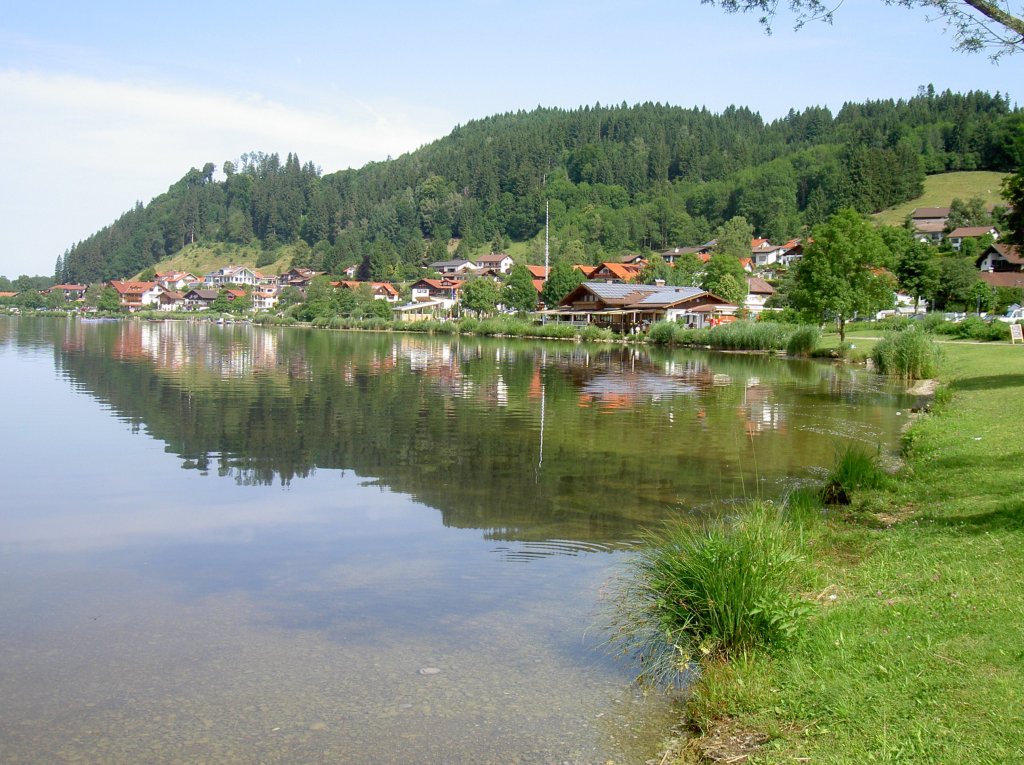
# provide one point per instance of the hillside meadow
(940, 190)
(915, 650)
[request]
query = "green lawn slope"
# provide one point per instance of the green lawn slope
(916, 651)
(940, 190)
(200, 259)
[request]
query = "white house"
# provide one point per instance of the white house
(956, 236)
(498, 261)
(233, 275)
(758, 293)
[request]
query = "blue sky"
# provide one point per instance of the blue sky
(109, 103)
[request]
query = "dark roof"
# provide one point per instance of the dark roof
(1011, 253)
(930, 212)
(963, 231)
(636, 295)
(759, 286)
(1003, 278)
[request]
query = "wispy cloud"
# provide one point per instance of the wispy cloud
(125, 141)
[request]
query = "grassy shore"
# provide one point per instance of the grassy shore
(916, 651)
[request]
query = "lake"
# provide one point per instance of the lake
(231, 544)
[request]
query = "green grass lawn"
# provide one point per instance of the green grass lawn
(916, 652)
(201, 259)
(940, 190)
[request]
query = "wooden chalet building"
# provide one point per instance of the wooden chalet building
(626, 308)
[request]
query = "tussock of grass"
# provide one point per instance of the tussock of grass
(857, 468)
(695, 593)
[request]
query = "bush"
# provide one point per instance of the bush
(933, 322)
(662, 333)
(695, 593)
(910, 355)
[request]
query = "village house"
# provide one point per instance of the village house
(703, 252)
(233, 275)
(498, 261)
(758, 293)
(929, 223)
(379, 290)
(792, 251)
(634, 259)
(299, 277)
(265, 296)
(615, 272)
(956, 236)
(764, 253)
(447, 267)
(444, 291)
(1001, 257)
(176, 280)
(627, 308)
(134, 296)
(71, 292)
(169, 300)
(202, 299)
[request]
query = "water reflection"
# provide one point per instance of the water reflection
(514, 438)
(391, 504)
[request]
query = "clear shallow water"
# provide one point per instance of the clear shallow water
(226, 544)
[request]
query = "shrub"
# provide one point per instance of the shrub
(910, 355)
(596, 333)
(693, 593)
(856, 468)
(933, 322)
(662, 333)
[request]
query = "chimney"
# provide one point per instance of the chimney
(659, 282)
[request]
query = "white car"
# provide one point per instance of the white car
(1013, 316)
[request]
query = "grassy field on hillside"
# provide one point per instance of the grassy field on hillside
(916, 651)
(940, 190)
(200, 259)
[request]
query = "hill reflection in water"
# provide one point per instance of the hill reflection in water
(526, 441)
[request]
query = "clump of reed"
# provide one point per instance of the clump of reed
(909, 355)
(796, 339)
(696, 592)
(803, 340)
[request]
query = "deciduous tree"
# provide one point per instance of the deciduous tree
(843, 272)
(976, 24)
(480, 296)
(519, 293)
(562, 280)
(724, 276)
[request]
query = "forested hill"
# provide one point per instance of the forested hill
(618, 178)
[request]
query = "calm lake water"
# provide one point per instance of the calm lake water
(238, 545)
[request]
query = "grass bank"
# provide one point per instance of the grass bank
(915, 650)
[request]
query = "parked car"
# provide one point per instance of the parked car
(1013, 316)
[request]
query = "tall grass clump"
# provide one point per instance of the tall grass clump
(695, 593)
(856, 468)
(909, 355)
(803, 340)
(750, 336)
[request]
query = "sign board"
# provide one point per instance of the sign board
(1016, 333)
